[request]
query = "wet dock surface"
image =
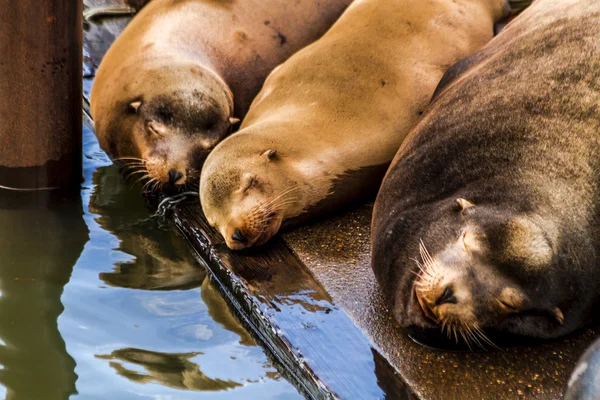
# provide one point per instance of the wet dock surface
(312, 300)
(337, 252)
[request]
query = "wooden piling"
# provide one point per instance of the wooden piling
(40, 94)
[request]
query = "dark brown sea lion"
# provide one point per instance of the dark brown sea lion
(489, 216)
(166, 91)
(329, 120)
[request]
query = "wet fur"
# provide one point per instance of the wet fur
(517, 127)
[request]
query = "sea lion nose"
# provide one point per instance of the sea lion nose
(174, 176)
(446, 297)
(238, 237)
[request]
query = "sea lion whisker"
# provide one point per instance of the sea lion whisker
(130, 168)
(418, 274)
(475, 338)
(150, 182)
(283, 205)
(268, 209)
(154, 186)
(130, 158)
(133, 165)
(265, 222)
(455, 333)
(427, 259)
(426, 273)
(130, 174)
(147, 184)
(285, 192)
(484, 337)
(465, 338)
(141, 179)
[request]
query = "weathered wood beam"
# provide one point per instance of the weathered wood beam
(325, 354)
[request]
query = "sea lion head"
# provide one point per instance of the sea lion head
(170, 120)
(247, 188)
(480, 268)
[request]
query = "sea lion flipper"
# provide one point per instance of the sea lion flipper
(454, 72)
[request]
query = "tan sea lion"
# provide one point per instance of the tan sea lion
(167, 89)
(329, 120)
(488, 218)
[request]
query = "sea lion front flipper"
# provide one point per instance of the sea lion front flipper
(454, 72)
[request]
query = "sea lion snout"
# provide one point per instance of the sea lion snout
(443, 288)
(253, 229)
(174, 137)
(480, 278)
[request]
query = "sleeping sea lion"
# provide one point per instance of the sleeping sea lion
(166, 91)
(488, 218)
(328, 121)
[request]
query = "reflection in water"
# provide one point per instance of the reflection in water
(41, 238)
(173, 370)
(219, 312)
(134, 309)
(162, 261)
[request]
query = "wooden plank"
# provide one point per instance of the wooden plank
(314, 339)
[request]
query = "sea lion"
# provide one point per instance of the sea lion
(487, 219)
(328, 121)
(166, 91)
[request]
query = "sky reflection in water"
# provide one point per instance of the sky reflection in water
(141, 319)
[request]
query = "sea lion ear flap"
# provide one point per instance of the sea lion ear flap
(270, 154)
(134, 106)
(464, 204)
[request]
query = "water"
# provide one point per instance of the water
(100, 301)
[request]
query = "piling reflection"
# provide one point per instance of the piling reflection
(41, 237)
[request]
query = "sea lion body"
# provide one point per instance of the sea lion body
(183, 72)
(335, 113)
(488, 217)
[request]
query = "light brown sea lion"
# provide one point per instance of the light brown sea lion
(167, 89)
(496, 192)
(329, 120)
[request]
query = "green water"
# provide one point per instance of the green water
(99, 301)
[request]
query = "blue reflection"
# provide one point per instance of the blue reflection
(141, 319)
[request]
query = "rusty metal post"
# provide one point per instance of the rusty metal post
(40, 94)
